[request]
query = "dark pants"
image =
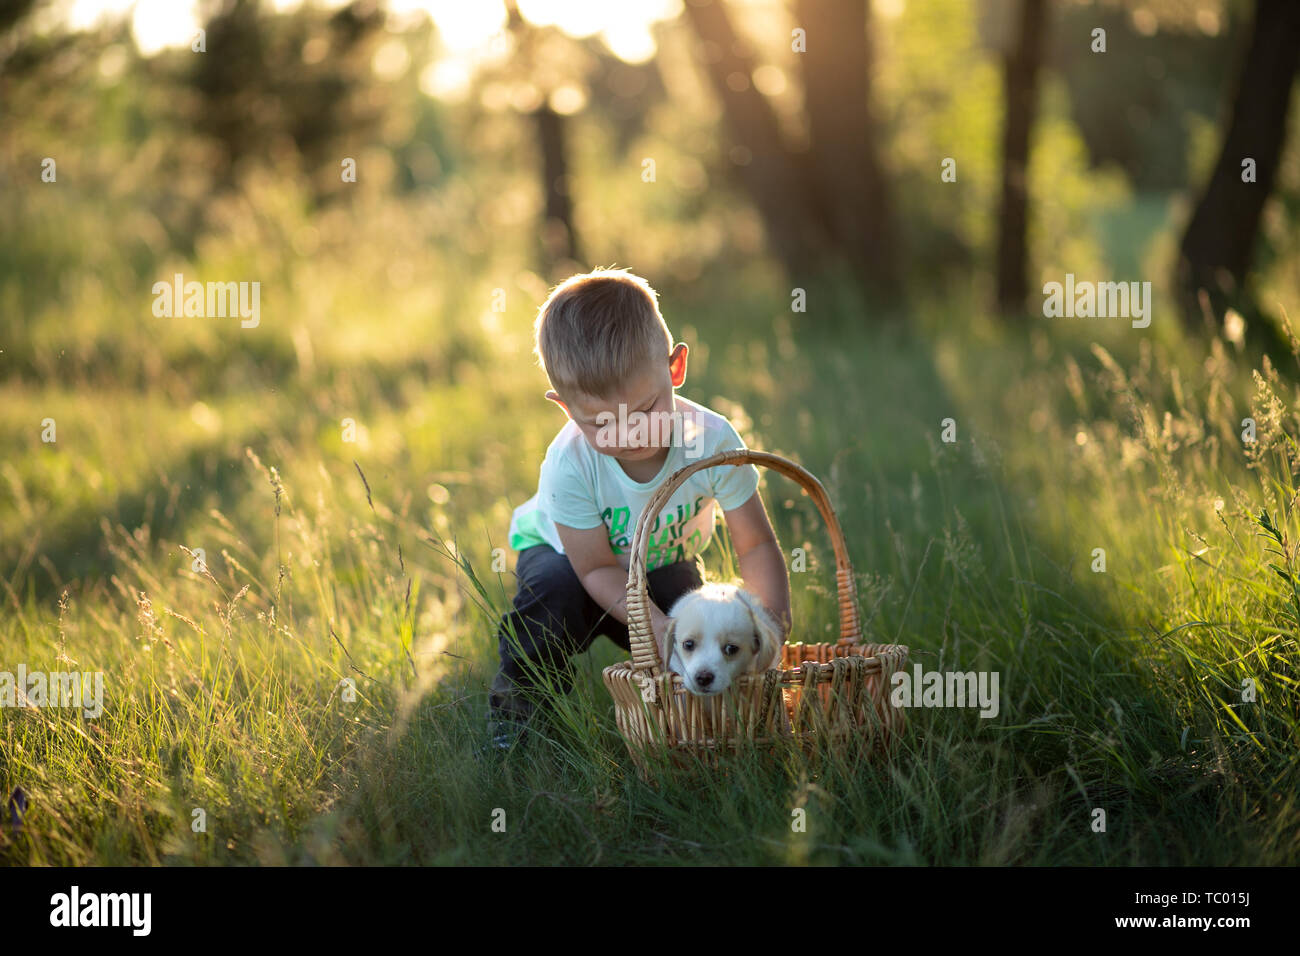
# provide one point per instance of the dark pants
(554, 618)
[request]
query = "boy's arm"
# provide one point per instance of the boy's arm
(762, 563)
(605, 578)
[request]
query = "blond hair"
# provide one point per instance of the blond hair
(599, 328)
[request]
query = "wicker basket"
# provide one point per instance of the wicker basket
(819, 693)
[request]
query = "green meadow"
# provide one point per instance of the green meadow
(1121, 689)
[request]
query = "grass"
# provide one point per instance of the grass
(372, 562)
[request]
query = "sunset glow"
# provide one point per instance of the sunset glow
(469, 32)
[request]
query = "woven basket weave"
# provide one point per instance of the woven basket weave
(817, 693)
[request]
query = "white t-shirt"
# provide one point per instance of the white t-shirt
(582, 488)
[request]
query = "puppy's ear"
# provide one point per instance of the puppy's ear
(667, 643)
(767, 636)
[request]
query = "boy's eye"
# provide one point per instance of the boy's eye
(731, 649)
(688, 645)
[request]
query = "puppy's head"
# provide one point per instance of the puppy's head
(717, 633)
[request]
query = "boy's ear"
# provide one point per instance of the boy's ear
(555, 397)
(677, 364)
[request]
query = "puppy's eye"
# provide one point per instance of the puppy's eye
(731, 649)
(688, 645)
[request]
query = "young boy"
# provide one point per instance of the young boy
(613, 369)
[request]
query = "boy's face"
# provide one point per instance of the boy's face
(649, 394)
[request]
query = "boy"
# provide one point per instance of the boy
(613, 369)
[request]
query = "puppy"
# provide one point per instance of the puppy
(716, 633)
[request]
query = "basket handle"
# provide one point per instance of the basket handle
(645, 654)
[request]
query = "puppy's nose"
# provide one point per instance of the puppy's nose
(704, 678)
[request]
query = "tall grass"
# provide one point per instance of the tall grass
(328, 563)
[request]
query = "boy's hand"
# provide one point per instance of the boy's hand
(762, 563)
(604, 576)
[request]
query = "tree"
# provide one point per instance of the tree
(259, 100)
(828, 203)
(777, 182)
(1020, 85)
(559, 236)
(849, 181)
(1217, 248)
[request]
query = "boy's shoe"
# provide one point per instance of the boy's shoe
(503, 735)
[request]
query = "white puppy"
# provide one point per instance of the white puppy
(717, 633)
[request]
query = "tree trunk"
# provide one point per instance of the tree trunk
(1020, 86)
(778, 183)
(849, 183)
(559, 237)
(1216, 250)
(558, 240)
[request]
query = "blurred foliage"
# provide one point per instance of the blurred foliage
(144, 145)
(1133, 111)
